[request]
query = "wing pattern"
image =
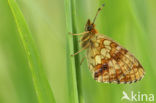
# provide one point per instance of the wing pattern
(111, 63)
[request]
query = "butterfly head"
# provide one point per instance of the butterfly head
(89, 26)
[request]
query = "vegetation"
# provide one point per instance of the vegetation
(35, 49)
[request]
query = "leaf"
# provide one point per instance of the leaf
(70, 47)
(41, 85)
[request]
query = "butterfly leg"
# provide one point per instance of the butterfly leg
(82, 60)
(78, 52)
(85, 39)
(79, 33)
(81, 50)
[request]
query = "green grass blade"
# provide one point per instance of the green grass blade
(70, 44)
(41, 85)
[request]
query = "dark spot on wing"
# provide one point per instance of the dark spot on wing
(101, 70)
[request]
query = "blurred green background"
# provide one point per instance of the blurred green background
(132, 23)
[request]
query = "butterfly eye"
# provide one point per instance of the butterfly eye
(89, 28)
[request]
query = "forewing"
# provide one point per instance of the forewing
(109, 62)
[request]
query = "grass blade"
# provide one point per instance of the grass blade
(71, 43)
(41, 85)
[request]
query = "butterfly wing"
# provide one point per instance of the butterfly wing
(109, 62)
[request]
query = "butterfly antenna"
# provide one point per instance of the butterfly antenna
(98, 12)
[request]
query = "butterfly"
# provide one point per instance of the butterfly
(107, 60)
